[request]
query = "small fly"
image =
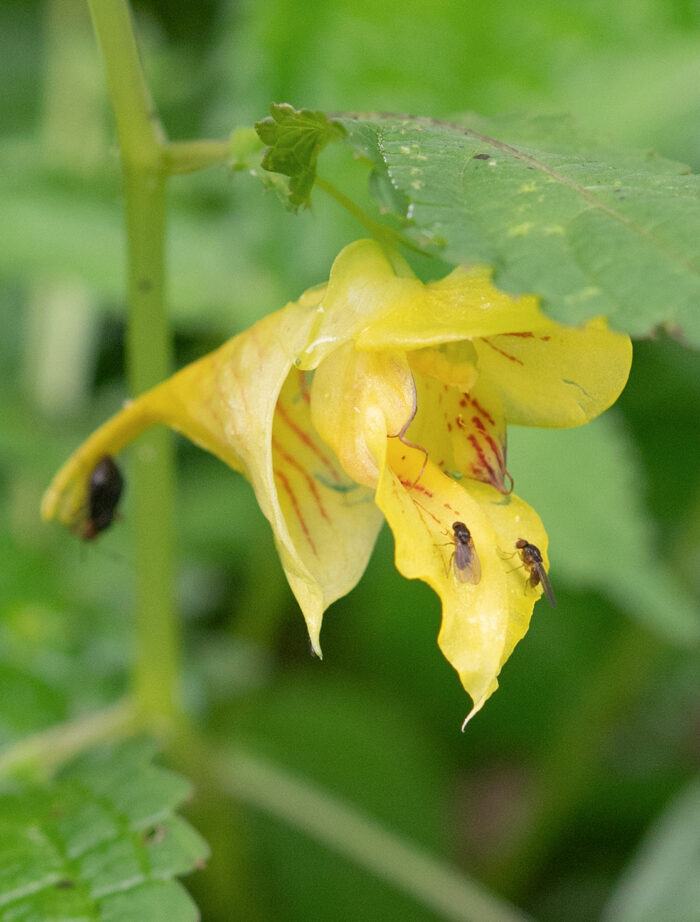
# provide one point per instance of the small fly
(532, 561)
(105, 488)
(465, 560)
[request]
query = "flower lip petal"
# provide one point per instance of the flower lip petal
(483, 621)
(464, 432)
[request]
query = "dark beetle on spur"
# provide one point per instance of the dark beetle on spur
(533, 563)
(104, 490)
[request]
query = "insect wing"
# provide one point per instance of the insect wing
(466, 564)
(546, 585)
(532, 561)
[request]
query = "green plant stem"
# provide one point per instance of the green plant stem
(310, 809)
(141, 137)
(188, 156)
(46, 751)
(142, 145)
(375, 228)
(157, 663)
(382, 233)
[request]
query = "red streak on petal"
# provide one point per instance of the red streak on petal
(496, 449)
(522, 335)
(482, 457)
(545, 339)
(297, 511)
(418, 487)
(464, 401)
(307, 440)
(427, 512)
(305, 474)
(485, 413)
(478, 424)
(511, 358)
(449, 427)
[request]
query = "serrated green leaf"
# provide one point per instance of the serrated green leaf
(100, 843)
(591, 229)
(157, 902)
(663, 880)
(295, 138)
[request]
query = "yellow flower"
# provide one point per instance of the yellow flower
(377, 396)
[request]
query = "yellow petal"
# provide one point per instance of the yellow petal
(463, 432)
(378, 302)
(330, 520)
(227, 402)
(356, 395)
(454, 364)
(556, 376)
(224, 402)
(481, 622)
(361, 288)
(463, 305)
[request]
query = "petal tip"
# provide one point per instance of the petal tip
(315, 641)
(474, 711)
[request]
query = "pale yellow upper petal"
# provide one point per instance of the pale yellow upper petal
(463, 305)
(224, 402)
(331, 520)
(374, 299)
(362, 287)
(246, 404)
(556, 376)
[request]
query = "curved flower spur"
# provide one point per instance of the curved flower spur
(378, 396)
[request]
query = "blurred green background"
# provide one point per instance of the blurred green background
(595, 730)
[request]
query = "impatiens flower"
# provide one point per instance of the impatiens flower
(378, 396)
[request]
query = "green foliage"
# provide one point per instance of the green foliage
(661, 882)
(74, 231)
(295, 140)
(593, 230)
(332, 734)
(376, 722)
(102, 842)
